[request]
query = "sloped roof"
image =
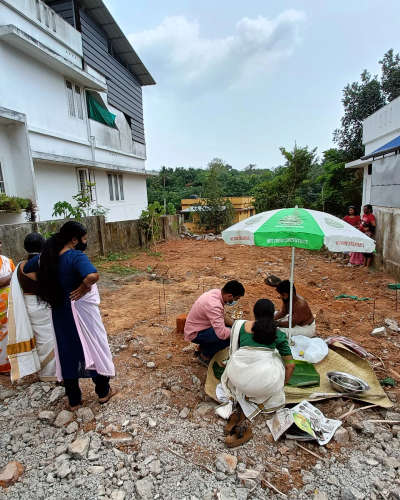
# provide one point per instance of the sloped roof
(389, 147)
(121, 46)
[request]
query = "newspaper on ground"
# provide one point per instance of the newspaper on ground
(307, 418)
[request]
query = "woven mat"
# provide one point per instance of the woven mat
(339, 359)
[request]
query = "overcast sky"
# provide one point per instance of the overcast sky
(237, 80)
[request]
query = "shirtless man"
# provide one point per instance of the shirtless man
(303, 321)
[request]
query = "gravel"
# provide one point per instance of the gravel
(128, 449)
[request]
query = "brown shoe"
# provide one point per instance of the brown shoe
(111, 393)
(231, 424)
(239, 437)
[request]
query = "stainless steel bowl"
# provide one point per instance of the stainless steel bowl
(345, 382)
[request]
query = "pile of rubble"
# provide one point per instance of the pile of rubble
(199, 237)
(129, 450)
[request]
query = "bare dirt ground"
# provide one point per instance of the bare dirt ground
(184, 269)
(142, 314)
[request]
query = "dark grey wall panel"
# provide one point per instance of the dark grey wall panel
(124, 91)
(63, 8)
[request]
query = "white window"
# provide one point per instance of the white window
(86, 181)
(116, 187)
(2, 184)
(78, 102)
(74, 96)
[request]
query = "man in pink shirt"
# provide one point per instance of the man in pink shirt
(206, 324)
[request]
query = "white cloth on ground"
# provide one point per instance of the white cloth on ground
(254, 377)
(307, 330)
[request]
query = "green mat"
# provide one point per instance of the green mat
(304, 375)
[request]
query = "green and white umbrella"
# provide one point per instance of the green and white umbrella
(298, 228)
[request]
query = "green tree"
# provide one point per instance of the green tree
(291, 184)
(390, 78)
(341, 187)
(215, 212)
(360, 99)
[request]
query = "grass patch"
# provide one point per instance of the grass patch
(121, 270)
(117, 256)
(152, 253)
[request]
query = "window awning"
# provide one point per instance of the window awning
(389, 147)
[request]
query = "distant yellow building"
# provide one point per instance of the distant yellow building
(243, 206)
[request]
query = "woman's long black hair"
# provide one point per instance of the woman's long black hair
(264, 328)
(49, 286)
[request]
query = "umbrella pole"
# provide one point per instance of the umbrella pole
(291, 295)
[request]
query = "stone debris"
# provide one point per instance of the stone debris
(392, 325)
(79, 447)
(63, 469)
(342, 435)
(85, 414)
(57, 393)
(378, 332)
(64, 418)
(184, 413)
(144, 488)
(11, 473)
(72, 427)
(118, 495)
(151, 364)
(152, 422)
(226, 463)
(47, 416)
(96, 469)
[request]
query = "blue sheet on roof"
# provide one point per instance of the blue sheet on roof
(394, 143)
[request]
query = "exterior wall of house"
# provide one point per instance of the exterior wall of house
(60, 183)
(243, 207)
(57, 142)
(135, 194)
(41, 23)
(381, 185)
(382, 126)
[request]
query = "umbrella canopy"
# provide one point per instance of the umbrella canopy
(300, 228)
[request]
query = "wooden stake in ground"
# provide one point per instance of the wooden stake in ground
(309, 451)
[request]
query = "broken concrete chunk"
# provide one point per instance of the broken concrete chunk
(11, 473)
(378, 332)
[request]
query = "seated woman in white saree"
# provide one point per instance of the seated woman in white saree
(260, 364)
(31, 335)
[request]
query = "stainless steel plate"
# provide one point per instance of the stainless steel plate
(345, 382)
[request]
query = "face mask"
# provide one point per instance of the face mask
(81, 246)
(233, 303)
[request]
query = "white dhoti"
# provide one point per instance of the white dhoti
(31, 335)
(254, 378)
(307, 330)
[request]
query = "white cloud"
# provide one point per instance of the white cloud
(176, 52)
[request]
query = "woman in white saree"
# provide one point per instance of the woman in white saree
(31, 335)
(259, 366)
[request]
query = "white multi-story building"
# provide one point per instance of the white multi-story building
(381, 184)
(70, 107)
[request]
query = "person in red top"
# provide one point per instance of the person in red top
(351, 217)
(356, 258)
(368, 226)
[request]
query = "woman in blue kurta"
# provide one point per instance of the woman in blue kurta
(66, 274)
